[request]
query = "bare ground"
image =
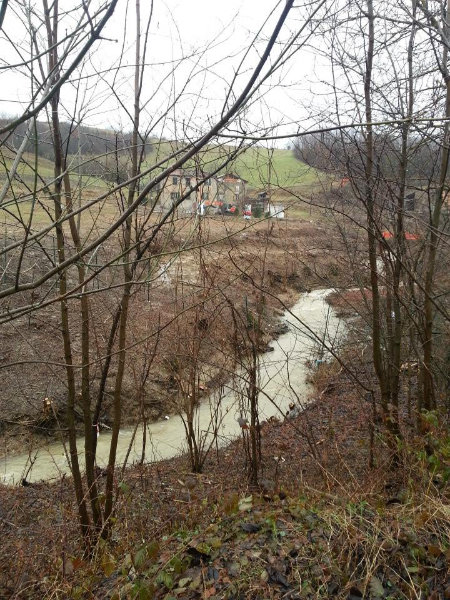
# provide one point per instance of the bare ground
(321, 524)
(239, 260)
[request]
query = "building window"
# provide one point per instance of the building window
(188, 181)
(174, 196)
(205, 195)
(208, 182)
(174, 180)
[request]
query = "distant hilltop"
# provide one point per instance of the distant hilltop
(76, 139)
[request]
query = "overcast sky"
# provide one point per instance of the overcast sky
(195, 48)
(198, 48)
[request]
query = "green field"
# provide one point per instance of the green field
(25, 169)
(259, 166)
(275, 169)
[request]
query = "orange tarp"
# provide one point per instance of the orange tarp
(387, 235)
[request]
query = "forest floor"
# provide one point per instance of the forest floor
(336, 514)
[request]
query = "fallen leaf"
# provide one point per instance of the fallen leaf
(434, 550)
(246, 503)
(78, 563)
(275, 576)
(68, 567)
(153, 550)
(212, 574)
(108, 564)
(233, 569)
(376, 587)
(199, 552)
(216, 543)
(413, 569)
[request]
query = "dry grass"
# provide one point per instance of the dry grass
(322, 525)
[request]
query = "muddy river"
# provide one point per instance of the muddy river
(283, 379)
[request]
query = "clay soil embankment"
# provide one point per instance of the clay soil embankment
(231, 260)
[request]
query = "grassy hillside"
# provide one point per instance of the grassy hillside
(25, 169)
(257, 165)
(260, 166)
(277, 167)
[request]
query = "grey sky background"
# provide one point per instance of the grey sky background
(194, 51)
(200, 54)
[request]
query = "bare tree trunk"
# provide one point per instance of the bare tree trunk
(371, 217)
(84, 300)
(117, 400)
(104, 376)
(254, 417)
(128, 277)
(399, 257)
(52, 34)
(427, 400)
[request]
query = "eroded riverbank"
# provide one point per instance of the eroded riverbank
(283, 379)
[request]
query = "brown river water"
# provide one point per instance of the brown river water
(283, 379)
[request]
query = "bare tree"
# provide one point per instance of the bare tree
(376, 166)
(73, 277)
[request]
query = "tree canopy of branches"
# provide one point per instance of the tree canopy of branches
(92, 251)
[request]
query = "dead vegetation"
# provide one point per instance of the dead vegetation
(336, 513)
(283, 258)
(321, 524)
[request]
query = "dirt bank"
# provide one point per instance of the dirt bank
(247, 264)
(322, 519)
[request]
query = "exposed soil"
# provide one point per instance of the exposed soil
(246, 260)
(321, 524)
(336, 514)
